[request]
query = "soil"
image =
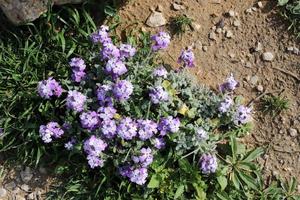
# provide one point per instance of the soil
(216, 59)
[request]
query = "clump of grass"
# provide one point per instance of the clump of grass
(274, 105)
(180, 24)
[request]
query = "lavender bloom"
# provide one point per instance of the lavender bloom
(225, 105)
(89, 120)
(107, 113)
(125, 171)
(109, 51)
(48, 88)
(161, 41)
(208, 163)
(145, 158)
(202, 134)
(229, 85)
(101, 35)
(127, 51)
(160, 72)
(76, 101)
(122, 90)
(70, 144)
(115, 67)
(127, 129)
(50, 131)
(147, 129)
(242, 115)
(95, 161)
(78, 76)
(102, 95)
(159, 143)
(78, 67)
(94, 146)
(139, 176)
(109, 128)
(158, 95)
(187, 58)
(168, 124)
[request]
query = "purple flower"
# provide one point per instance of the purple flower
(125, 171)
(101, 35)
(66, 126)
(159, 143)
(139, 176)
(102, 95)
(202, 134)
(127, 129)
(187, 58)
(109, 128)
(127, 51)
(147, 129)
(50, 131)
(109, 50)
(89, 120)
(158, 95)
(107, 113)
(76, 101)
(94, 146)
(160, 72)
(208, 163)
(48, 88)
(229, 85)
(168, 124)
(242, 115)
(145, 158)
(78, 76)
(161, 41)
(115, 67)
(122, 90)
(70, 144)
(77, 64)
(95, 161)
(225, 105)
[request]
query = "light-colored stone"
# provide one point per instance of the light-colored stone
(296, 51)
(248, 65)
(267, 56)
(3, 193)
(236, 23)
(260, 88)
(26, 175)
(159, 8)
(231, 13)
(216, 1)
(195, 26)
(205, 48)
(19, 197)
(212, 36)
(25, 187)
(31, 196)
(293, 132)
(260, 4)
(229, 34)
(178, 6)
(156, 19)
(218, 30)
(258, 47)
(253, 80)
(249, 11)
(11, 185)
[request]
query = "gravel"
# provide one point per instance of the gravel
(267, 56)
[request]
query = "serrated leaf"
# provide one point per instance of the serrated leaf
(154, 181)
(179, 191)
(222, 180)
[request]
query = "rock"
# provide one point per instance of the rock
(26, 175)
(216, 1)
(195, 26)
(25, 187)
(258, 47)
(290, 49)
(178, 6)
(249, 11)
(296, 51)
(16, 191)
(159, 8)
(204, 48)
(229, 34)
(253, 80)
(31, 196)
(267, 56)
(11, 185)
(236, 23)
(231, 55)
(293, 132)
(218, 30)
(260, 88)
(22, 11)
(156, 19)
(260, 5)
(212, 36)
(254, 9)
(3, 193)
(231, 13)
(19, 197)
(275, 173)
(248, 65)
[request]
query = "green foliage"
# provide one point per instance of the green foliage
(274, 105)
(180, 24)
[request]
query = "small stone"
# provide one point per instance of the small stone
(218, 30)
(231, 13)
(198, 45)
(249, 11)
(258, 47)
(267, 56)
(159, 8)
(260, 5)
(290, 48)
(19, 197)
(11, 185)
(3, 192)
(229, 34)
(231, 55)
(156, 19)
(236, 23)
(178, 6)
(248, 65)
(31, 196)
(260, 88)
(212, 36)
(254, 79)
(195, 26)
(220, 23)
(16, 190)
(204, 48)
(296, 51)
(254, 9)
(25, 187)
(26, 175)
(293, 132)
(216, 1)
(275, 173)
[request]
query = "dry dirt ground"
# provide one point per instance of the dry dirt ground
(224, 54)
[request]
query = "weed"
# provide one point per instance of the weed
(180, 24)
(274, 105)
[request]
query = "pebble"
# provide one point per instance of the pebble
(178, 6)
(294, 50)
(260, 88)
(229, 34)
(25, 187)
(248, 65)
(260, 5)
(231, 13)
(254, 9)
(212, 36)
(231, 55)
(218, 30)
(19, 197)
(31, 196)
(3, 192)
(275, 173)
(11, 185)
(26, 175)
(195, 26)
(204, 48)
(249, 11)
(159, 8)
(267, 56)
(258, 47)
(216, 1)
(293, 132)
(156, 19)
(237, 23)
(254, 79)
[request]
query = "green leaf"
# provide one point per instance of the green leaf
(222, 180)
(292, 185)
(233, 144)
(185, 165)
(179, 191)
(253, 154)
(282, 2)
(223, 196)
(235, 180)
(154, 181)
(250, 181)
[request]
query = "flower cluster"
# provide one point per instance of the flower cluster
(127, 128)
(78, 66)
(187, 58)
(147, 129)
(49, 88)
(89, 120)
(225, 105)
(122, 90)
(158, 95)
(202, 134)
(160, 72)
(208, 164)
(50, 131)
(93, 147)
(76, 101)
(168, 124)
(161, 41)
(242, 115)
(229, 85)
